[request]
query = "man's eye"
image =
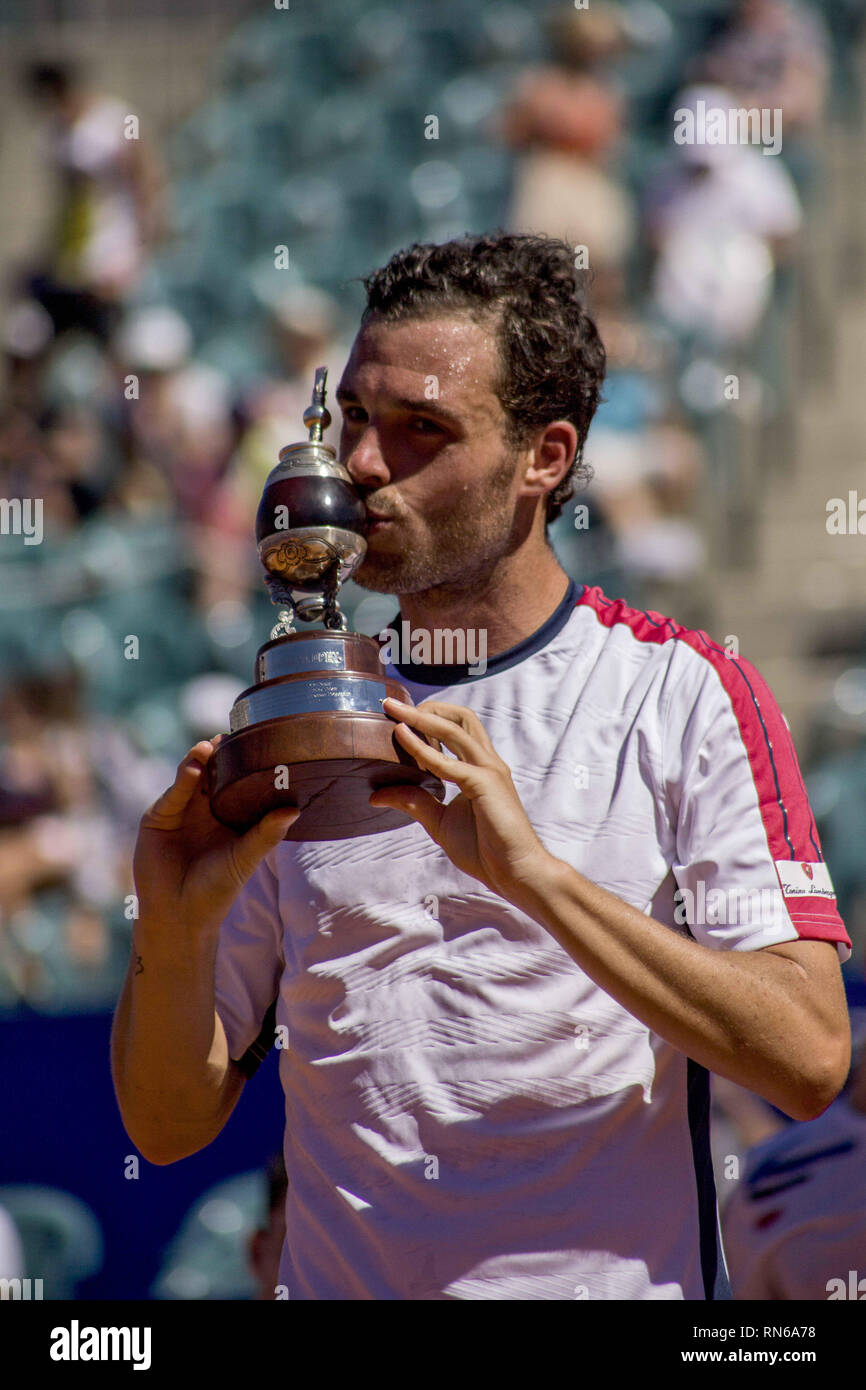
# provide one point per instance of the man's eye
(347, 412)
(428, 425)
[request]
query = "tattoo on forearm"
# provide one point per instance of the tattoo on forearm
(139, 965)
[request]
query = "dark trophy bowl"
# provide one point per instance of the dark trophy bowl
(311, 731)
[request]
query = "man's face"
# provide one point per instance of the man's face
(423, 440)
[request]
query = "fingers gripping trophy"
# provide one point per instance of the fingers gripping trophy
(310, 732)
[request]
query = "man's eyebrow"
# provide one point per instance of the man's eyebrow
(422, 407)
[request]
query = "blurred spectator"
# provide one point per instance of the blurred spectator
(77, 458)
(109, 201)
(568, 119)
(71, 790)
(836, 789)
(796, 1225)
(740, 1121)
(62, 456)
(27, 333)
(756, 1120)
(773, 53)
(718, 218)
(304, 323)
(178, 425)
(647, 464)
(204, 703)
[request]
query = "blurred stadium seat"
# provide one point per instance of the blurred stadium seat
(61, 1237)
(208, 1257)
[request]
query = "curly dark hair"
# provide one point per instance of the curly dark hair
(552, 361)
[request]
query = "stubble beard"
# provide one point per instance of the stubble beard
(458, 550)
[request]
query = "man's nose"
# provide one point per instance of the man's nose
(365, 463)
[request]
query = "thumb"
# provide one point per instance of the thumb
(250, 849)
(412, 801)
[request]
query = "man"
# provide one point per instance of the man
(499, 1020)
(110, 201)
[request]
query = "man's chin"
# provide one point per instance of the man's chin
(378, 578)
(393, 574)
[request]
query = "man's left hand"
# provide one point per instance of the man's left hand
(485, 830)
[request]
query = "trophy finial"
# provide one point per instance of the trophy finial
(310, 525)
(316, 417)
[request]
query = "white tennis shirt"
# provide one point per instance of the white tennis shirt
(468, 1115)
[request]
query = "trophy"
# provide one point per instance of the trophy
(311, 731)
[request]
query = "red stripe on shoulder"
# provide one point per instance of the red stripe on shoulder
(784, 805)
(785, 810)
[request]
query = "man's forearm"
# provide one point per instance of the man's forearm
(175, 1083)
(745, 1015)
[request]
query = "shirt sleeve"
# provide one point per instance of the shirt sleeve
(249, 960)
(749, 866)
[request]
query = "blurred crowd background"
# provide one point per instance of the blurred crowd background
(178, 258)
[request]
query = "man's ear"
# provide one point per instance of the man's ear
(549, 458)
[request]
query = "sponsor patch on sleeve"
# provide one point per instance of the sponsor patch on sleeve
(801, 880)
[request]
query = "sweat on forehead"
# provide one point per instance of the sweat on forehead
(453, 345)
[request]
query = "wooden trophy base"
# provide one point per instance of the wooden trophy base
(328, 762)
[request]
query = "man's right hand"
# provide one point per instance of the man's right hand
(188, 868)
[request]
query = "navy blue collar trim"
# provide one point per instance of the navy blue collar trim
(423, 674)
